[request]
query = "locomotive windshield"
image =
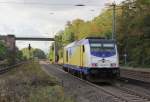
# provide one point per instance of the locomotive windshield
(109, 47)
(102, 47)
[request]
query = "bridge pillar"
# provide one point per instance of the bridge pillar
(10, 42)
(11, 45)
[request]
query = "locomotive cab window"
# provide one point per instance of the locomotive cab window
(97, 47)
(109, 47)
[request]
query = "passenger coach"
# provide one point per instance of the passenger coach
(95, 59)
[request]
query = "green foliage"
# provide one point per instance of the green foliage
(133, 31)
(28, 54)
(19, 55)
(39, 53)
(10, 57)
(29, 83)
(3, 51)
(51, 53)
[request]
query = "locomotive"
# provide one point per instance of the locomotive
(95, 59)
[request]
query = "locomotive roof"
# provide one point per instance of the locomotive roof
(95, 38)
(90, 40)
(71, 44)
(101, 41)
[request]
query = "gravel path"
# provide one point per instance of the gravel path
(83, 92)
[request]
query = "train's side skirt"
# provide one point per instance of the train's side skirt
(87, 70)
(84, 70)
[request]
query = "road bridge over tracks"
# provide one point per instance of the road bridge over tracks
(34, 39)
(10, 41)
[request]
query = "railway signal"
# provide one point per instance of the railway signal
(29, 47)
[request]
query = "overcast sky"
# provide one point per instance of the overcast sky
(43, 18)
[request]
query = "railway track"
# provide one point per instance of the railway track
(134, 90)
(6, 69)
(135, 82)
(119, 93)
(86, 91)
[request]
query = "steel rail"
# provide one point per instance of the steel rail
(6, 69)
(107, 91)
(135, 82)
(131, 91)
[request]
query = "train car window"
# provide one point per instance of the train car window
(67, 56)
(83, 48)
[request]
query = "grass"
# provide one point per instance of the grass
(28, 83)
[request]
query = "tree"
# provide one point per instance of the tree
(3, 51)
(132, 31)
(33, 53)
(39, 54)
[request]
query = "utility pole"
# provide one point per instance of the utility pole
(54, 51)
(125, 17)
(126, 37)
(114, 21)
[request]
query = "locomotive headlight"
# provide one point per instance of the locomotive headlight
(94, 64)
(113, 64)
